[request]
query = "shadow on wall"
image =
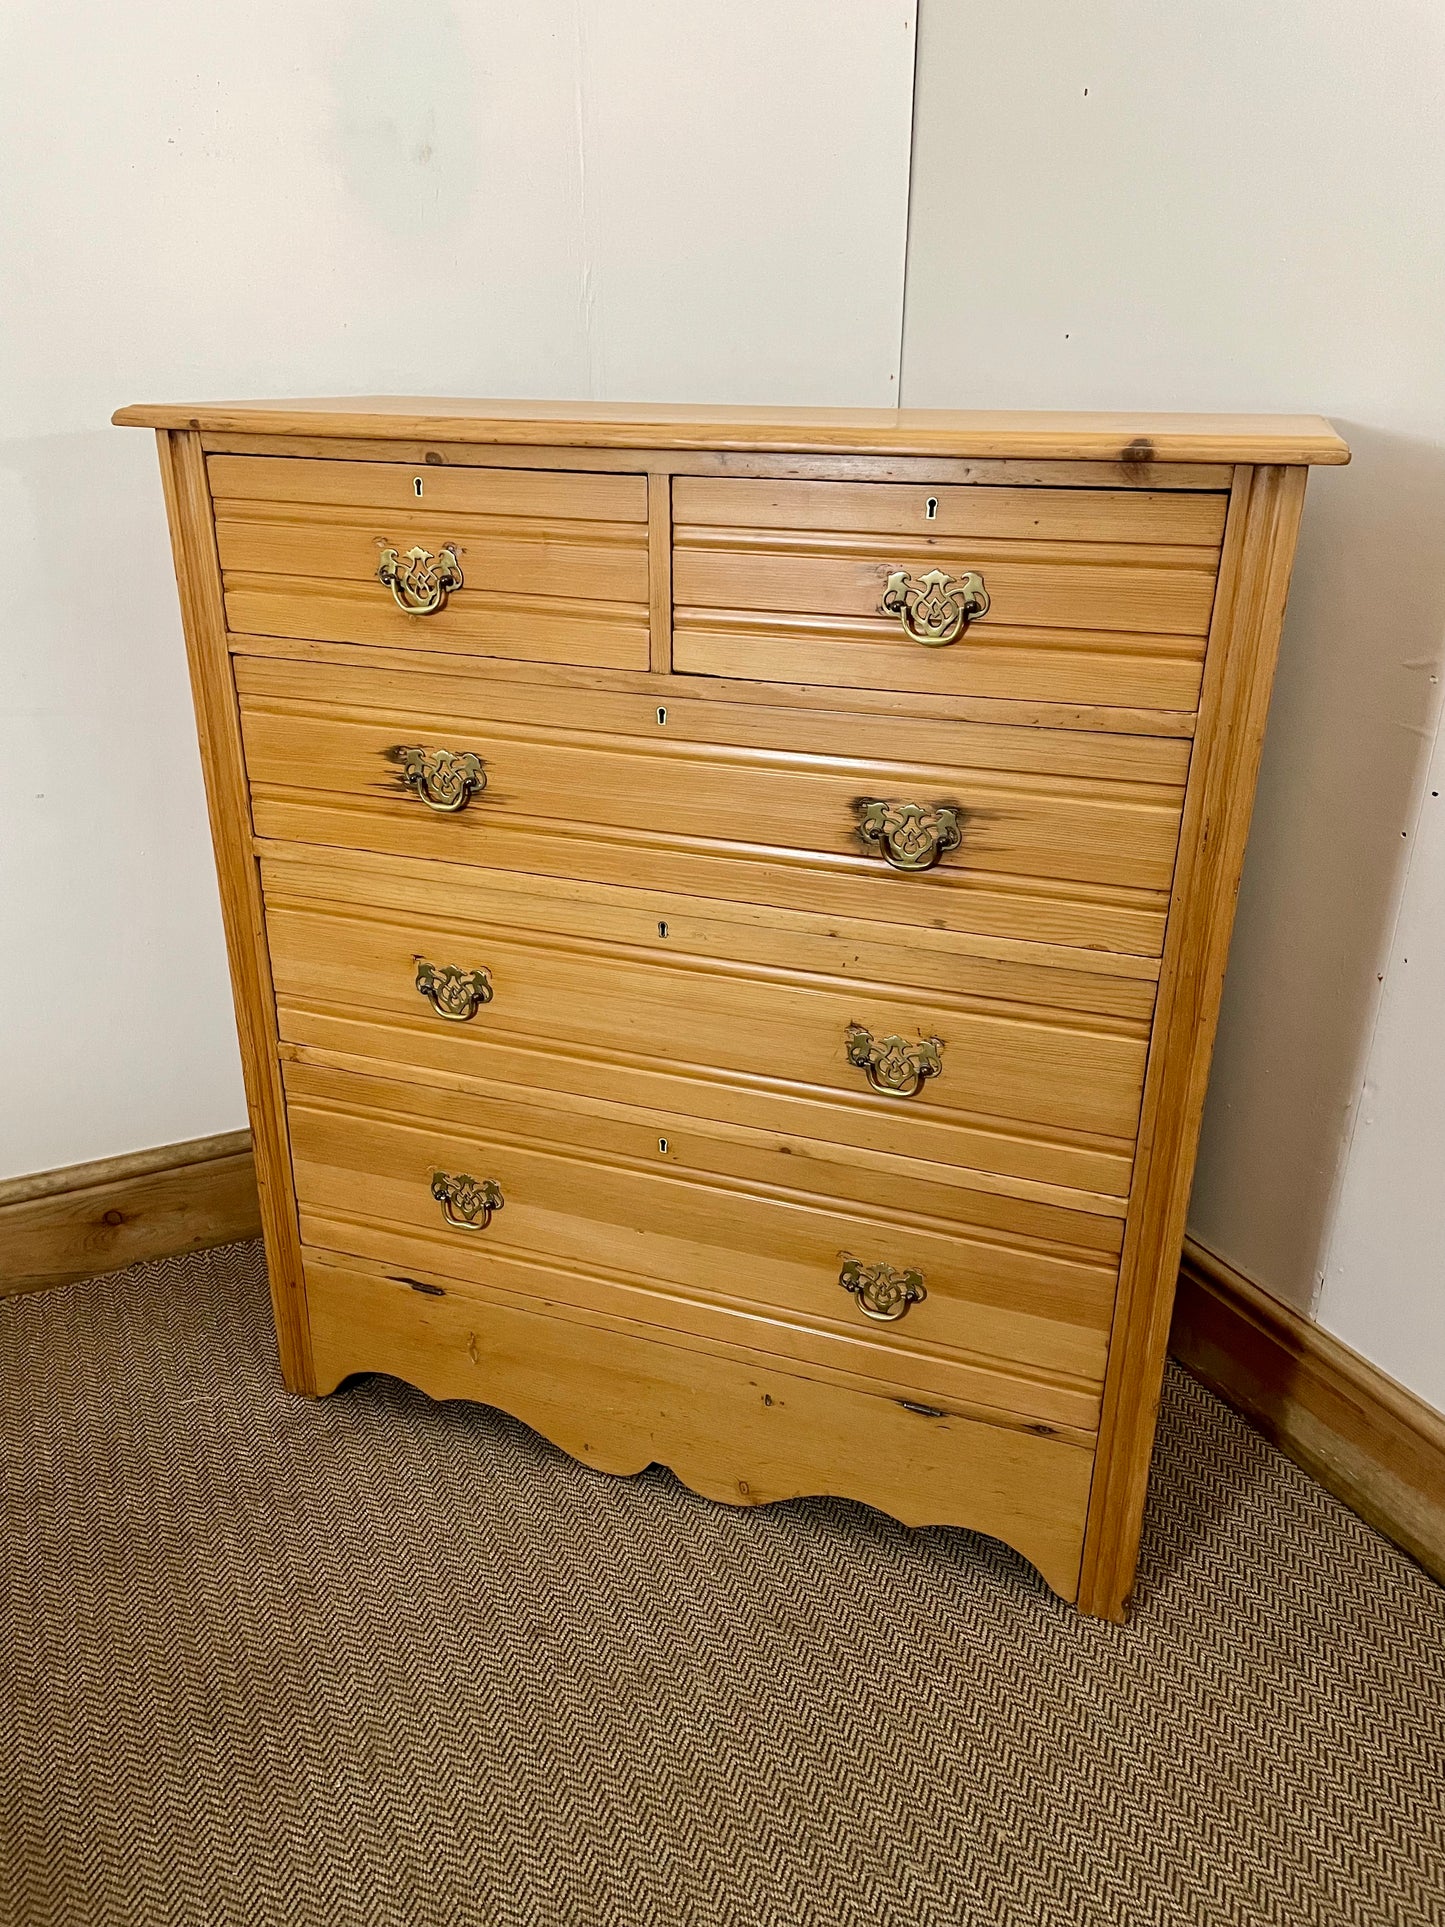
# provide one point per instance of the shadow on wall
(1349, 735)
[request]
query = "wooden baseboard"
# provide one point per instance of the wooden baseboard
(58, 1226)
(1368, 1440)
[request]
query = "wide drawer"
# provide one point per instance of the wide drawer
(734, 1427)
(1050, 835)
(955, 1072)
(1098, 596)
(655, 1221)
(552, 564)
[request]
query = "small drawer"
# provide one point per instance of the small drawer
(1048, 835)
(1008, 1304)
(987, 1070)
(535, 566)
(1092, 596)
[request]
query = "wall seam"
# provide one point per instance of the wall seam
(908, 196)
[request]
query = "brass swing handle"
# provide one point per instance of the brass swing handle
(910, 836)
(938, 607)
(467, 1203)
(446, 780)
(454, 994)
(883, 1293)
(420, 582)
(894, 1067)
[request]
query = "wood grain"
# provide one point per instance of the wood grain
(1097, 595)
(1363, 1436)
(626, 705)
(709, 1234)
(585, 562)
(59, 1226)
(1134, 439)
(1254, 581)
(671, 655)
(527, 629)
(965, 513)
(1031, 585)
(928, 470)
(1112, 983)
(659, 536)
(198, 577)
(1087, 858)
(746, 1433)
(523, 492)
(556, 678)
(1057, 667)
(1025, 1088)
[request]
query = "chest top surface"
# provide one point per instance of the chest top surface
(1034, 435)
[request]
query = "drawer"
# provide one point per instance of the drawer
(656, 1221)
(730, 1427)
(1095, 596)
(1048, 835)
(550, 566)
(956, 1075)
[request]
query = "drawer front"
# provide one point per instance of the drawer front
(1017, 1087)
(1094, 596)
(1046, 835)
(730, 1427)
(1012, 1315)
(545, 566)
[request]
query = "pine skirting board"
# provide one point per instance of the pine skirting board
(1372, 1443)
(61, 1225)
(1365, 1438)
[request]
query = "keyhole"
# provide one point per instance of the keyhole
(662, 715)
(416, 483)
(662, 930)
(930, 507)
(662, 1145)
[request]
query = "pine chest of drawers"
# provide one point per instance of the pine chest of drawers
(727, 912)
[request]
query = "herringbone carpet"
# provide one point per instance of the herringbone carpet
(377, 1660)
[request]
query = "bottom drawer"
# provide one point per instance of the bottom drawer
(732, 1430)
(598, 1212)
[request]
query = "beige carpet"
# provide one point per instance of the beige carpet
(377, 1660)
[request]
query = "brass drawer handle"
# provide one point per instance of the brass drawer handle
(882, 1293)
(467, 1203)
(452, 993)
(938, 607)
(420, 582)
(894, 1067)
(445, 779)
(911, 836)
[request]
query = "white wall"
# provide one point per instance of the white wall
(612, 198)
(1241, 204)
(1210, 204)
(1384, 1285)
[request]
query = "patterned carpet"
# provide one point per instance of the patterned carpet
(377, 1660)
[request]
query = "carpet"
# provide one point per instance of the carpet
(375, 1660)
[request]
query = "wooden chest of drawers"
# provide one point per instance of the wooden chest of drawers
(727, 912)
